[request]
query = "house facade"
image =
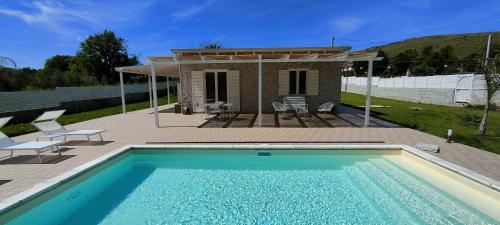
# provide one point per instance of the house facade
(237, 82)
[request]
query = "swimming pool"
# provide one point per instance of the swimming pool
(266, 186)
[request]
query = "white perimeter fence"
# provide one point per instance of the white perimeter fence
(464, 88)
(28, 100)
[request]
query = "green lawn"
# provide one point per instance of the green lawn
(436, 120)
(24, 128)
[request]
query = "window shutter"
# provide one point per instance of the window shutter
(312, 82)
(283, 82)
(233, 89)
(198, 90)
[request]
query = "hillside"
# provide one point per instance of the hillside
(464, 44)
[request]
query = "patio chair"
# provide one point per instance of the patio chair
(296, 103)
(7, 144)
(326, 107)
(215, 107)
(48, 125)
(279, 108)
(198, 109)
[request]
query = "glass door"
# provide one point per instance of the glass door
(216, 86)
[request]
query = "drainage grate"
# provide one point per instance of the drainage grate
(264, 153)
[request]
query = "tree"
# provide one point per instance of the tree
(490, 69)
(379, 67)
(404, 60)
(58, 62)
(100, 53)
(211, 45)
(422, 70)
(361, 67)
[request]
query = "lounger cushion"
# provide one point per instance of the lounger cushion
(80, 132)
(32, 145)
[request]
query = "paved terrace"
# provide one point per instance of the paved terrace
(24, 170)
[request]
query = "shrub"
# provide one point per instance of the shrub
(470, 119)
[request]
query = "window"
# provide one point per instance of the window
(297, 82)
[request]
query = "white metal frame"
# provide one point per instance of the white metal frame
(370, 57)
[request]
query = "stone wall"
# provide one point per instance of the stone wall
(424, 95)
(478, 97)
(328, 87)
(443, 96)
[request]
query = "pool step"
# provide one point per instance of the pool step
(381, 198)
(411, 200)
(456, 210)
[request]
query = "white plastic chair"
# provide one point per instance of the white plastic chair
(280, 108)
(326, 107)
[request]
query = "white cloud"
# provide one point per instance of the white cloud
(67, 17)
(191, 11)
(346, 25)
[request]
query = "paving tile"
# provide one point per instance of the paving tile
(138, 128)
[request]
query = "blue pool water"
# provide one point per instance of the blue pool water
(250, 189)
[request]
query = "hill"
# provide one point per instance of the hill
(464, 44)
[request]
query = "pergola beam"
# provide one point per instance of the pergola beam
(149, 90)
(346, 56)
(122, 92)
(168, 90)
(155, 96)
(260, 91)
(368, 93)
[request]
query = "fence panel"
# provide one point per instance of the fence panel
(421, 82)
(28, 100)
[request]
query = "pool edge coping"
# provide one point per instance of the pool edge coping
(43, 187)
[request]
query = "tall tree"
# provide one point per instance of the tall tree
(490, 69)
(379, 67)
(404, 60)
(58, 62)
(211, 45)
(100, 53)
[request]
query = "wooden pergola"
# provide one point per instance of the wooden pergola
(169, 66)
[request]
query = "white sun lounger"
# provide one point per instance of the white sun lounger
(7, 144)
(48, 125)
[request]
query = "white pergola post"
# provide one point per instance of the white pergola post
(155, 96)
(122, 90)
(149, 88)
(168, 90)
(368, 93)
(260, 91)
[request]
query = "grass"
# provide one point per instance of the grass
(436, 120)
(25, 128)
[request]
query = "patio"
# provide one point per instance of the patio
(137, 128)
(347, 117)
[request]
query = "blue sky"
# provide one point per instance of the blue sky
(31, 31)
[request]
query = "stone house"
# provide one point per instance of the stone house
(237, 82)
